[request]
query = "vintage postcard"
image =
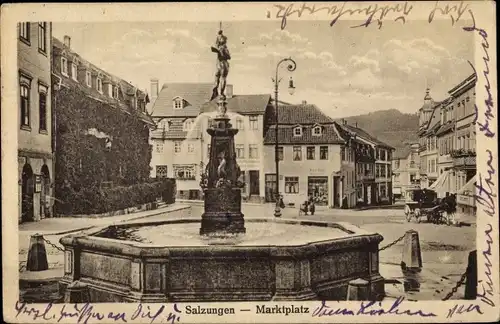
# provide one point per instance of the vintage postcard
(250, 162)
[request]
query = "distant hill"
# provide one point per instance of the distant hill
(390, 126)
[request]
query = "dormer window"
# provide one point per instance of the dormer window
(64, 66)
(316, 131)
(88, 79)
(99, 85)
(178, 103)
(297, 131)
(188, 125)
(74, 71)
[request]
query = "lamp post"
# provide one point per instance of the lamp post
(291, 67)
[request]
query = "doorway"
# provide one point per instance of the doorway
(254, 182)
(270, 181)
(27, 189)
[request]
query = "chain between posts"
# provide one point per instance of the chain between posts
(391, 244)
(458, 284)
(52, 244)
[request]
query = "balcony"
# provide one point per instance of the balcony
(367, 177)
(464, 159)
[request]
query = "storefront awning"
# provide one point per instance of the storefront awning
(468, 189)
(440, 185)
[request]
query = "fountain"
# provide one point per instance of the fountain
(221, 257)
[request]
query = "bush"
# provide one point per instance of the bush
(97, 201)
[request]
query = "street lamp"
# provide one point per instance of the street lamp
(291, 88)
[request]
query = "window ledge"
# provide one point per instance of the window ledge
(25, 41)
(44, 53)
(26, 128)
(43, 131)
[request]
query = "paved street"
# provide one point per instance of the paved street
(444, 248)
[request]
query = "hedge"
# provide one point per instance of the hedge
(97, 201)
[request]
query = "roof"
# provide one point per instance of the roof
(123, 86)
(448, 126)
(401, 153)
(363, 134)
(433, 121)
(194, 94)
(241, 104)
(299, 114)
(329, 135)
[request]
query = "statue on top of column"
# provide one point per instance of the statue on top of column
(222, 65)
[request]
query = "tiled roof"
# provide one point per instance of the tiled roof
(285, 135)
(123, 86)
(194, 94)
(401, 152)
(299, 114)
(241, 104)
(433, 123)
(363, 134)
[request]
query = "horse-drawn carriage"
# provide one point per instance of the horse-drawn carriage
(424, 202)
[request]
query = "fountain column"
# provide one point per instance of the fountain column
(221, 181)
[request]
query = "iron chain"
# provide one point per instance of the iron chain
(391, 244)
(52, 244)
(454, 290)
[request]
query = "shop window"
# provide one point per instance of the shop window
(292, 185)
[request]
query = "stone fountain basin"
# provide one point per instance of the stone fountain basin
(277, 259)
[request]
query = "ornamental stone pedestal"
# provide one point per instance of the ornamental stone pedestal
(221, 181)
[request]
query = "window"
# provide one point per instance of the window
(99, 85)
(184, 172)
(297, 153)
(115, 92)
(382, 171)
(110, 90)
(317, 131)
(382, 155)
(88, 79)
(74, 72)
(42, 37)
(311, 153)
(292, 185)
(159, 147)
(25, 105)
(24, 31)
(178, 103)
(240, 151)
(239, 123)
(190, 147)
(208, 150)
(253, 152)
(323, 152)
(64, 66)
(342, 153)
(280, 153)
(297, 131)
(254, 122)
(188, 125)
(177, 147)
(377, 170)
(42, 106)
(161, 171)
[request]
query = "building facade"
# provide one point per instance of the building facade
(405, 171)
(101, 131)
(177, 139)
(35, 146)
(372, 160)
(451, 131)
(309, 154)
(429, 124)
(247, 113)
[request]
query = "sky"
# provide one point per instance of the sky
(344, 71)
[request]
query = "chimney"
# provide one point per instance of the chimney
(229, 91)
(304, 102)
(67, 41)
(154, 89)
